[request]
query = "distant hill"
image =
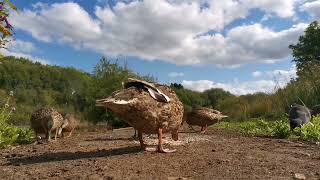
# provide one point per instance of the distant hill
(35, 85)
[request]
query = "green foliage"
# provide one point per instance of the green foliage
(10, 134)
(279, 128)
(235, 107)
(216, 95)
(190, 99)
(311, 131)
(36, 85)
(306, 51)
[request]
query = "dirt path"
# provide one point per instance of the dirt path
(114, 155)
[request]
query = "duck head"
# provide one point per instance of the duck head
(118, 101)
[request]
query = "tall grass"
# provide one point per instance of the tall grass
(10, 134)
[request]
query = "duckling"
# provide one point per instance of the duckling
(70, 123)
(46, 120)
(147, 107)
(203, 117)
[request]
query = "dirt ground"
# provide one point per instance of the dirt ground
(114, 154)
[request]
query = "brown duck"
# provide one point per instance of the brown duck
(46, 120)
(149, 108)
(70, 123)
(203, 117)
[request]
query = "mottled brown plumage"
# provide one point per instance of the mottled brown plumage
(149, 108)
(203, 117)
(70, 123)
(46, 120)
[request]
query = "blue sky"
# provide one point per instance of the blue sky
(240, 46)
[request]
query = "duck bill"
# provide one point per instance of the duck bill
(112, 102)
(101, 102)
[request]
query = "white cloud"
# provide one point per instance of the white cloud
(256, 73)
(313, 8)
(176, 74)
(279, 79)
(236, 88)
(166, 30)
(66, 22)
(21, 46)
(283, 75)
(24, 49)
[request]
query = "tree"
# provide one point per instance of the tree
(5, 27)
(216, 94)
(306, 52)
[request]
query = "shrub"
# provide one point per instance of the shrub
(281, 128)
(10, 134)
(311, 131)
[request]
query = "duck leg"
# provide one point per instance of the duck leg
(142, 145)
(204, 128)
(160, 146)
(135, 134)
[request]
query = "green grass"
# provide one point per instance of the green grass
(10, 134)
(279, 128)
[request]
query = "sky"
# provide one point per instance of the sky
(238, 45)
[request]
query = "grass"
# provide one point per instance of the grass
(279, 128)
(10, 134)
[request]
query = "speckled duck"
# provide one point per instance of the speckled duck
(149, 108)
(203, 117)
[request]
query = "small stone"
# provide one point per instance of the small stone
(177, 178)
(299, 176)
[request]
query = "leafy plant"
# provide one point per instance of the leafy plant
(10, 134)
(281, 128)
(311, 131)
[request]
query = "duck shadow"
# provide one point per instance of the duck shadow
(110, 139)
(66, 156)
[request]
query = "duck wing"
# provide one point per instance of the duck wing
(154, 92)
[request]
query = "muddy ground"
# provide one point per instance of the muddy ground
(114, 154)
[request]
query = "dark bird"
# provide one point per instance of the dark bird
(298, 115)
(149, 108)
(203, 117)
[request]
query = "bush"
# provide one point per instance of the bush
(281, 128)
(10, 134)
(311, 131)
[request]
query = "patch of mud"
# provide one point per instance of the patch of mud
(183, 139)
(217, 154)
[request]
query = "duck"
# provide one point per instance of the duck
(150, 108)
(70, 123)
(204, 117)
(46, 120)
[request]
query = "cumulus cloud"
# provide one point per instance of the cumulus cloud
(176, 74)
(279, 79)
(172, 31)
(24, 49)
(66, 22)
(313, 8)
